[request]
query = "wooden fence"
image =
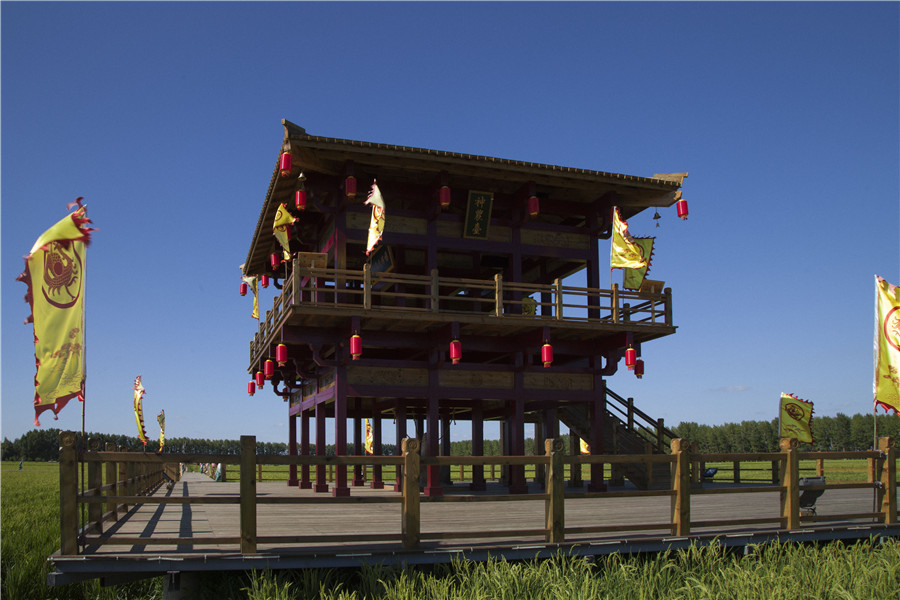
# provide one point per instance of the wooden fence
(132, 477)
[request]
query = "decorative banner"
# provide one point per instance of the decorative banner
(282, 229)
(369, 440)
(376, 224)
(795, 416)
(887, 346)
(478, 215)
(161, 419)
(139, 409)
(252, 282)
(624, 251)
(585, 448)
(635, 277)
(54, 273)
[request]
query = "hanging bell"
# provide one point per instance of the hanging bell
(656, 218)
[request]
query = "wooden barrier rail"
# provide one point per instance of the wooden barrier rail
(132, 477)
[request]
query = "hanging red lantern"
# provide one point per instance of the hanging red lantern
(275, 260)
(455, 351)
(630, 358)
(547, 355)
(534, 206)
(682, 208)
(281, 354)
(350, 187)
(639, 368)
(355, 346)
(243, 288)
(269, 368)
(264, 281)
(444, 196)
(251, 387)
(285, 164)
(260, 379)
(300, 199)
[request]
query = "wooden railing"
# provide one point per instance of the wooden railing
(124, 488)
(339, 289)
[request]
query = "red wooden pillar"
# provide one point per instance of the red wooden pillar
(377, 482)
(433, 472)
(597, 411)
(358, 450)
(446, 475)
(340, 427)
(305, 483)
(292, 447)
(400, 419)
(517, 483)
(477, 445)
(321, 483)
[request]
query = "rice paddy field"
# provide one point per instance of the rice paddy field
(29, 523)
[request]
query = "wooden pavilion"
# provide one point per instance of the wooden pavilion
(461, 312)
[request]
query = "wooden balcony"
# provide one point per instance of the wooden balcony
(325, 298)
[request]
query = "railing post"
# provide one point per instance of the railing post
(498, 294)
(630, 414)
(68, 494)
(121, 482)
(296, 293)
(248, 494)
(94, 483)
(681, 485)
(887, 471)
(558, 298)
(411, 525)
(660, 427)
(737, 471)
(367, 286)
(790, 495)
(554, 508)
(776, 477)
(820, 467)
(111, 484)
(615, 302)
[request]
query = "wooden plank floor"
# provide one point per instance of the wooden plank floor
(508, 517)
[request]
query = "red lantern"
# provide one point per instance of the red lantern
(251, 387)
(243, 288)
(546, 355)
(455, 351)
(285, 164)
(281, 354)
(355, 346)
(534, 206)
(300, 199)
(350, 187)
(269, 368)
(630, 358)
(275, 260)
(260, 379)
(445, 197)
(264, 281)
(639, 368)
(681, 207)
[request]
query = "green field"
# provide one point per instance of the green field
(30, 515)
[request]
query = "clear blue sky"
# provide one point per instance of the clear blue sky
(166, 118)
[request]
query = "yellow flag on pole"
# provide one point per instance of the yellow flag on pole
(625, 253)
(253, 283)
(795, 416)
(54, 273)
(161, 419)
(369, 439)
(139, 409)
(282, 229)
(585, 448)
(887, 345)
(376, 224)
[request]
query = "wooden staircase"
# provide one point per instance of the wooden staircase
(626, 430)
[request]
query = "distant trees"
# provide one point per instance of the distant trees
(839, 432)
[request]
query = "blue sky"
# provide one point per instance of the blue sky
(166, 118)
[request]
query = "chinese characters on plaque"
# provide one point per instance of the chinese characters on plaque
(478, 214)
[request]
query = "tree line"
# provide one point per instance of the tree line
(839, 432)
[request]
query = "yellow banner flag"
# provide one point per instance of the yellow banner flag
(887, 345)
(376, 224)
(161, 419)
(282, 229)
(795, 416)
(585, 448)
(139, 409)
(253, 284)
(635, 277)
(369, 439)
(624, 252)
(54, 274)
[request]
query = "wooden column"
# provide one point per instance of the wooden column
(598, 416)
(377, 481)
(68, 494)
(539, 471)
(887, 471)
(575, 450)
(790, 495)
(304, 483)
(554, 508)
(292, 447)
(517, 484)
(341, 488)
(477, 446)
(248, 494)
(400, 423)
(446, 476)
(358, 449)
(411, 519)
(321, 483)
(681, 485)
(432, 446)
